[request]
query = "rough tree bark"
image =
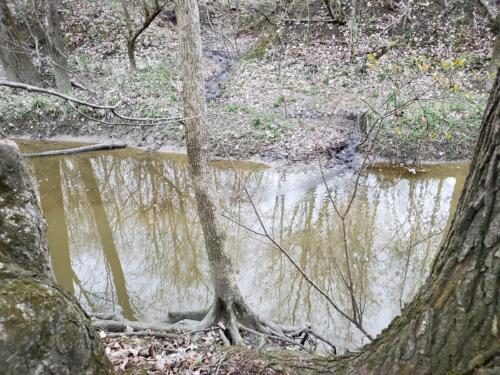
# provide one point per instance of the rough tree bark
(495, 55)
(229, 306)
(43, 330)
(452, 325)
(14, 54)
(56, 45)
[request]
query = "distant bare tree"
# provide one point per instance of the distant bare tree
(150, 12)
(56, 45)
(335, 11)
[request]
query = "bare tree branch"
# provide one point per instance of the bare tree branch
(112, 109)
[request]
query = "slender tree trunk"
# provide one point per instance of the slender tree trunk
(14, 54)
(130, 33)
(495, 57)
(336, 15)
(43, 329)
(452, 325)
(131, 54)
(56, 45)
(151, 11)
(229, 305)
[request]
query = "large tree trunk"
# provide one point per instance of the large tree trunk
(229, 305)
(43, 329)
(14, 54)
(452, 325)
(56, 45)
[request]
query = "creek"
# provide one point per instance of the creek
(124, 235)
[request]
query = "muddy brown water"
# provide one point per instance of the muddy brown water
(124, 236)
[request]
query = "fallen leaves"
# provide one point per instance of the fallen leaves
(182, 355)
(201, 353)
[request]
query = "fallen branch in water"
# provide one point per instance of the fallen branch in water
(77, 150)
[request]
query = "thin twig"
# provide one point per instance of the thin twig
(95, 119)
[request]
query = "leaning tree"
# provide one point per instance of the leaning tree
(150, 13)
(56, 45)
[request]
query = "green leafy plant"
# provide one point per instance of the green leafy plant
(232, 107)
(256, 122)
(279, 101)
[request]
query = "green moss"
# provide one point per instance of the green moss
(41, 324)
(259, 49)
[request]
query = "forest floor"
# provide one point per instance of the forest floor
(187, 354)
(283, 83)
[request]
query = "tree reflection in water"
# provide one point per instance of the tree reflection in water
(128, 219)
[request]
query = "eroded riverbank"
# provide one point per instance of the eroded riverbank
(285, 93)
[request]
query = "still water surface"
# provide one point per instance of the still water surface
(124, 236)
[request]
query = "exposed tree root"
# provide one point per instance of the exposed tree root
(112, 325)
(174, 317)
(231, 318)
(158, 335)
